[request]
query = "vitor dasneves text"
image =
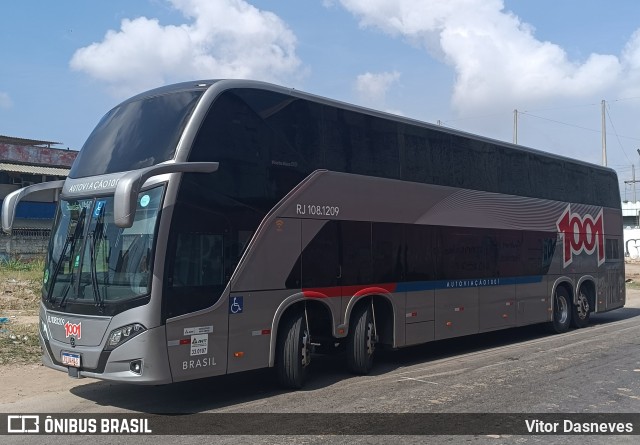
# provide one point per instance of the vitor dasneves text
(569, 426)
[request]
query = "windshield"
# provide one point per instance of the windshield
(136, 134)
(91, 260)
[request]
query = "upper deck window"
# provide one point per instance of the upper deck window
(136, 134)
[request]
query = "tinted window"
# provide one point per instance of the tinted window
(612, 249)
(416, 165)
(389, 252)
(320, 261)
(371, 145)
(209, 233)
(366, 253)
(257, 165)
(538, 249)
(510, 250)
(356, 252)
(296, 125)
(513, 171)
(440, 157)
(234, 136)
(420, 253)
(136, 134)
(467, 253)
(334, 133)
(276, 140)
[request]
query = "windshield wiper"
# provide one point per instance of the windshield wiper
(76, 233)
(95, 236)
(56, 271)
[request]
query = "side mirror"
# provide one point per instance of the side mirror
(10, 202)
(129, 185)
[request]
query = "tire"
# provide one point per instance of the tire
(361, 341)
(293, 353)
(562, 309)
(581, 312)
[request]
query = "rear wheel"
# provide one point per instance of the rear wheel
(361, 344)
(561, 311)
(293, 351)
(581, 311)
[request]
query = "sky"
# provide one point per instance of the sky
(466, 64)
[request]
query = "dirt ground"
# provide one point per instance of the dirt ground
(632, 270)
(25, 380)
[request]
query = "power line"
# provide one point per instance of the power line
(573, 125)
(617, 136)
(626, 98)
(562, 108)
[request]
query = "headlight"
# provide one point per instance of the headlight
(43, 330)
(121, 335)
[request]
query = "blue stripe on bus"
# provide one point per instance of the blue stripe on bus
(415, 286)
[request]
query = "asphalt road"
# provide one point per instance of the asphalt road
(525, 370)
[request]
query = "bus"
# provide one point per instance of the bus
(214, 227)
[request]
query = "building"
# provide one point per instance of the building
(24, 162)
(630, 221)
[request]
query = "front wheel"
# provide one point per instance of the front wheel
(293, 351)
(561, 311)
(361, 343)
(581, 311)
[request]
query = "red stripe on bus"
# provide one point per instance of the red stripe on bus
(323, 292)
(349, 291)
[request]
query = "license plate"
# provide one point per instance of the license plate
(71, 359)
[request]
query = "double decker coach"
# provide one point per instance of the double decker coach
(213, 227)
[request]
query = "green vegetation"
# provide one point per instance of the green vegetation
(633, 285)
(20, 287)
(15, 266)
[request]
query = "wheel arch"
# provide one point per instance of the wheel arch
(317, 309)
(384, 312)
(588, 283)
(565, 282)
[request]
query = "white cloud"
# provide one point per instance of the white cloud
(5, 101)
(631, 64)
(496, 57)
(221, 39)
(373, 87)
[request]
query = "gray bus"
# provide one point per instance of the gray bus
(214, 227)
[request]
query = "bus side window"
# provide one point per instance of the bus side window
(198, 260)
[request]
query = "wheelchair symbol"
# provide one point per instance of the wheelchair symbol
(235, 305)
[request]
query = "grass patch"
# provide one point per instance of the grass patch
(20, 290)
(633, 285)
(19, 344)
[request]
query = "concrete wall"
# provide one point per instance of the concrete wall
(632, 242)
(26, 246)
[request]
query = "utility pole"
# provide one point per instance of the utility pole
(515, 126)
(633, 181)
(604, 136)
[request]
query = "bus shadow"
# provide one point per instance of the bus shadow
(230, 390)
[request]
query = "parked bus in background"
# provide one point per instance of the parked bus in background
(221, 226)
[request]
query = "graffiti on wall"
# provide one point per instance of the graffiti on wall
(632, 248)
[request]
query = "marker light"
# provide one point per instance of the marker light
(121, 335)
